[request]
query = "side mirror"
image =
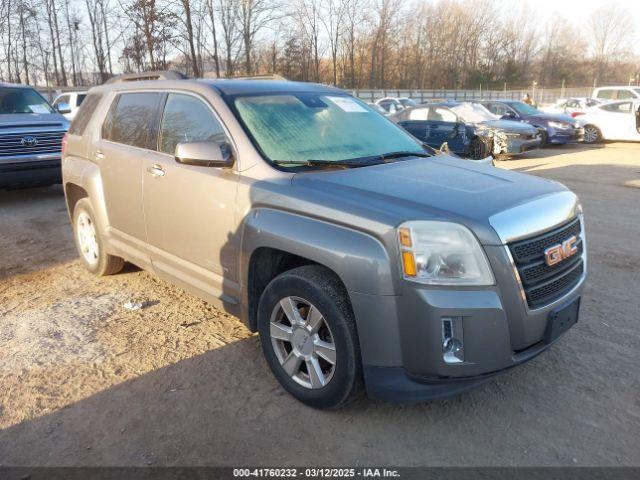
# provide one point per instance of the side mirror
(202, 154)
(63, 108)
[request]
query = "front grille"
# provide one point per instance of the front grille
(46, 142)
(542, 283)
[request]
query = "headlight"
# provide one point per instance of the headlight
(559, 125)
(442, 253)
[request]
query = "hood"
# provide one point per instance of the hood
(32, 120)
(441, 187)
(552, 117)
(509, 126)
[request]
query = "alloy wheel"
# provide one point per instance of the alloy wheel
(303, 342)
(590, 134)
(87, 238)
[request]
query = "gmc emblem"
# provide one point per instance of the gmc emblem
(557, 253)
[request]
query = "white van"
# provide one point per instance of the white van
(616, 93)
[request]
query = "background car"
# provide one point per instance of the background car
(554, 127)
(469, 129)
(572, 106)
(395, 104)
(31, 133)
(72, 100)
(612, 121)
(616, 93)
(378, 108)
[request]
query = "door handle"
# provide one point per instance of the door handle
(99, 155)
(156, 170)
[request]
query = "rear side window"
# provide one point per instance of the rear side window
(81, 120)
(131, 119)
(605, 94)
(624, 107)
(624, 94)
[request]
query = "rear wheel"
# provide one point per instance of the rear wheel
(592, 134)
(89, 243)
(309, 337)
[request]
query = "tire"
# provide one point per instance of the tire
(592, 134)
(479, 148)
(315, 297)
(544, 137)
(89, 242)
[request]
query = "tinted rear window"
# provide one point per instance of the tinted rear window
(84, 114)
(130, 119)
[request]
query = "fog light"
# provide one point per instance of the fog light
(452, 340)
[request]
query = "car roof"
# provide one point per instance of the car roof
(224, 86)
(15, 85)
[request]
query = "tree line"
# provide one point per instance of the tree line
(353, 44)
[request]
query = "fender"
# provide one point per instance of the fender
(86, 174)
(359, 259)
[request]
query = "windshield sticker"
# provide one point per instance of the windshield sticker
(347, 104)
(38, 109)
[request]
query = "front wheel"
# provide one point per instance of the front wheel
(309, 339)
(592, 134)
(479, 148)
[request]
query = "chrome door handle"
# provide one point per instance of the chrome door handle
(99, 155)
(156, 170)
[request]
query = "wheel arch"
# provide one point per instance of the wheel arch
(274, 241)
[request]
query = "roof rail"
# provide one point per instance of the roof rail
(137, 77)
(270, 76)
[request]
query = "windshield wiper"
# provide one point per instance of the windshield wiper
(400, 154)
(321, 163)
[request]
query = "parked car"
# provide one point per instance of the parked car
(469, 130)
(616, 93)
(359, 257)
(572, 106)
(395, 104)
(69, 103)
(378, 108)
(612, 121)
(31, 134)
(555, 128)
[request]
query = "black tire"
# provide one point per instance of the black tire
(589, 138)
(320, 287)
(106, 264)
(479, 148)
(544, 137)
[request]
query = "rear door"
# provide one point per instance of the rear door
(415, 122)
(619, 121)
(190, 210)
(122, 145)
(443, 127)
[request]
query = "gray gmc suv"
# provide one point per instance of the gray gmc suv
(361, 259)
(31, 133)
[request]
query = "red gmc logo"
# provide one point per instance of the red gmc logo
(557, 253)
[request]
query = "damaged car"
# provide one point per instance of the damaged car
(468, 129)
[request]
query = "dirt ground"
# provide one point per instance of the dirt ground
(84, 381)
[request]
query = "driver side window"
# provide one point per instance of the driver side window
(188, 119)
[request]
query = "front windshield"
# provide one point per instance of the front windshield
(523, 108)
(473, 113)
(407, 102)
(22, 100)
(298, 127)
(637, 90)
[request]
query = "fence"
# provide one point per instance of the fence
(542, 96)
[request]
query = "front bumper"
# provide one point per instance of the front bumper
(560, 137)
(516, 145)
(26, 173)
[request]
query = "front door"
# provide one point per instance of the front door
(190, 210)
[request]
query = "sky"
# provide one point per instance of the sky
(578, 11)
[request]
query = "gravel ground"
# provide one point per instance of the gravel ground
(84, 381)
